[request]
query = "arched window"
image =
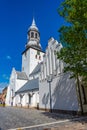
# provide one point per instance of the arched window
(32, 34)
(35, 35)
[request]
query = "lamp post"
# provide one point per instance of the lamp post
(49, 80)
(11, 97)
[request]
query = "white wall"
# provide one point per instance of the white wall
(63, 89)
(25, 62)
(19, 83)
(44, 95)
(11, 88)
(35, 99)
(63, 93)
(14, 85)
(35, 60)
(25, 99)
(29, 60)
(8, 96)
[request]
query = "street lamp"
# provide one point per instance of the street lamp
(49, 80)
(11, 97)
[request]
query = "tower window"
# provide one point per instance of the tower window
(35, 35)
(29, 36)
(39, 57)
(32, 35)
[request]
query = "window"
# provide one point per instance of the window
(35, 35)
(36, 56)
(39, 57)
(29, 36)
(38, 52)
(32, 34)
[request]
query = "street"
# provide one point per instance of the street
(32, 119)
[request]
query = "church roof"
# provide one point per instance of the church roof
(33, 47)
(31, 85)
(21, 75)
(36, 70)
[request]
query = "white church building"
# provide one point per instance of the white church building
(23, 89)
(41, 83)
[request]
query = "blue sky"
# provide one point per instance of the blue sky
(15, 18)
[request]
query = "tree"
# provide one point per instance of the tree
(74, 37)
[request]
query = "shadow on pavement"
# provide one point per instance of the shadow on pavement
(72, 118)
(59, 116)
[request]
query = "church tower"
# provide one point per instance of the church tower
(33, 53)
(33, 36)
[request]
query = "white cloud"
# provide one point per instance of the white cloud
(8, 57)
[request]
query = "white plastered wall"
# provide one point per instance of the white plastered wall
(30, 59)
(63, 94)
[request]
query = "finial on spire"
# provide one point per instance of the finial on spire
(33, 22)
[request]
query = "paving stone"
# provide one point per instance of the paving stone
(11, 117)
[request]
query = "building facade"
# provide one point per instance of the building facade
(57, 91)
(17, 80)
(3, 95)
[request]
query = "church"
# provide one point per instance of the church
(41, 83)
(23, 89)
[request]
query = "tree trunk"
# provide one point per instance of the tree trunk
(80, 99)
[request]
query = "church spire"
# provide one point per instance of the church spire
(33, 36)
(33, 25)
(33, 22)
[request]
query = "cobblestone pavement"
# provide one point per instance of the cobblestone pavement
(71, 126)
(31, 119)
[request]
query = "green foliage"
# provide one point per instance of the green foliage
(74, 11)
(74, 36)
